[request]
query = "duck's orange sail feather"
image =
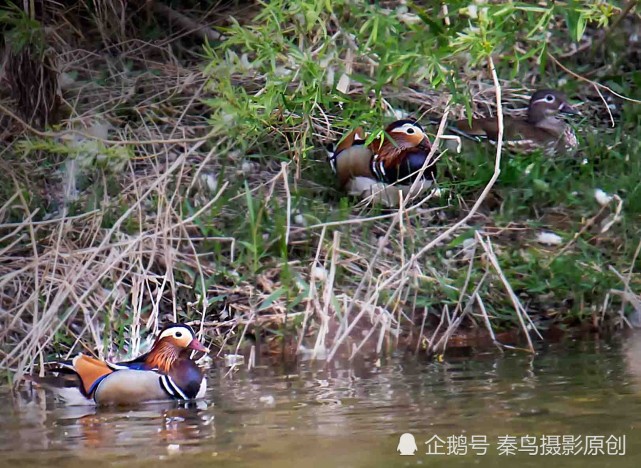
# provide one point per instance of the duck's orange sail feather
(348, 141)
(90, 371)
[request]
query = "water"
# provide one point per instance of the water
(353, 416)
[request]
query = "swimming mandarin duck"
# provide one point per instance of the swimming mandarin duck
(166, 372)
(393, 158)
(542, 129)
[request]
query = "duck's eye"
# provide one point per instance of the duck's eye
(179, 334)
(549, 98)
(410, 131)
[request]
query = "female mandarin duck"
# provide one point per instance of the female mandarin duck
(394, 158)
(541, 130)
(166, 372)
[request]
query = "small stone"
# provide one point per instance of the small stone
(173, 449)
(602, 197)
(300, 220)
(211, 182)
(549, 238)
(343, 84)
(247, 167)
(267, 400)
(234, 360)
(319, 273)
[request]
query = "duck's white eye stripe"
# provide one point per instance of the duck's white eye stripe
(405, 127)
(545, 99)
(176, 332)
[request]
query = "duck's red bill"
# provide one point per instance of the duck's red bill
(198, 346)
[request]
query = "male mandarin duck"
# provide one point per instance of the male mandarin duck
(542, 129)
(393, 158)
(166, 372)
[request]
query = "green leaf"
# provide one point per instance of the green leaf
(271, 298)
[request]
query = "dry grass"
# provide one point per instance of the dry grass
(172, 198)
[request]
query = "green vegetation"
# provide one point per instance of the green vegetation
(206, 196)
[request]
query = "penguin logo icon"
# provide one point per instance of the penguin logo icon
(407, 444)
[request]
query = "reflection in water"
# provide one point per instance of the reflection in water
(38, 424)
(632, 353)
(339, 415)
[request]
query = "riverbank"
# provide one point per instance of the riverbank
(194, 187)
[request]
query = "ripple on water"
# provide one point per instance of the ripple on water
(347, 415)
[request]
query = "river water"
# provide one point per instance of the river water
(574, 404)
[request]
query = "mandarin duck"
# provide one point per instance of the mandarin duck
(166, 372)
(394, 158)
(542, 129)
